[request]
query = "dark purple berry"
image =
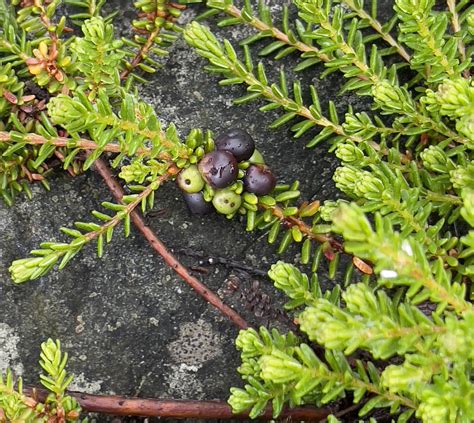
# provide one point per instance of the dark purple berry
(259, 179)
(219, 169)
(236, 141)
(196, 203)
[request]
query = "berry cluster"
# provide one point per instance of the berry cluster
(234, 169)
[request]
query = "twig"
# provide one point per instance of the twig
(304, 228)
(178, 409)
(50, 28)
(169, 258)
(212, 260)
(82, 143)
(349, 409)
(307, 231)
(305, 48)
(375, 24)
(457, 29)
(149, 42)
(276, 33)
(141, 53)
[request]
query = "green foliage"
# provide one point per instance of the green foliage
(92, 9)
(437, 351)
(281, 369)
(135, 126)
(400, 260)
(16, 406)
(97, 56)
(224, 60)
(415, 174)
(156, 30)
(425, 33)
(9, 83)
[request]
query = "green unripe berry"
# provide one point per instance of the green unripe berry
(190, 180)
(226, 201)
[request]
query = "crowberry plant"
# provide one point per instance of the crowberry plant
(396, 331)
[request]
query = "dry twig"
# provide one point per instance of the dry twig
(168, 257)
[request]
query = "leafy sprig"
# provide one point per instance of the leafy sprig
(156, 30)
(16, 406)
(92, 9)
(224, 60)
(415, 174)
(98, 56)
(280, 369)
(49, 253)
(424, 32)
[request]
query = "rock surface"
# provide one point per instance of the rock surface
(129, 324)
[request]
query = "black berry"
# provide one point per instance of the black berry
(219, 168)
(196, 203)
(259, 179)
(238, 142)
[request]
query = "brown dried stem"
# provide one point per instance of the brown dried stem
(168, 257)
(177, 409)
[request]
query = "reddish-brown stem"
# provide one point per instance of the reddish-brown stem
(141, 53)
(149, 42)
(168, 257)
(178, 409)
(303, 227)
(82, 143)
(47, 25)
(307, 231)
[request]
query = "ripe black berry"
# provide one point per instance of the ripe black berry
(190, 180)
(226, 201)
(196, 203)
(259, 179)
(219, 168)
(236, 141)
